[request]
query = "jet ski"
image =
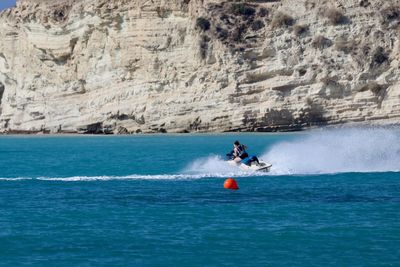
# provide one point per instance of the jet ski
(252, 163)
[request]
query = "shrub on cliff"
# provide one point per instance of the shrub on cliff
(242, 9)
(364, 3)
(321, 42)
(203, 24)
(299, 30)
(391, 14)
(238, 32)
(263, 12)
(163, 12)
(346, 46)
(335, 16)
(257, 25)
(2, 88)
(379, 57)
(203, 45)
(221, 33)
(234, 23)
(374, 87)
(281, 20)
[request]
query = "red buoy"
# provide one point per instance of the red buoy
(231, 184)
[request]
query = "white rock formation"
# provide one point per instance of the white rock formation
(127, 66)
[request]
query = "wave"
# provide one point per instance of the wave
(337, 151)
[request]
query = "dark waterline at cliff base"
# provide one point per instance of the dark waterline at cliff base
(266, 129)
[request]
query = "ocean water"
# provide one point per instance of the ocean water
(331, 199)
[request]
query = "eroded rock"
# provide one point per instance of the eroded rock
(100, 66)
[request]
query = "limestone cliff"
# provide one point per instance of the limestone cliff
(127, 66)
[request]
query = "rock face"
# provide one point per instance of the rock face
(131, 66)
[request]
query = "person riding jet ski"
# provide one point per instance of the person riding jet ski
(239, 152)
(239, 157)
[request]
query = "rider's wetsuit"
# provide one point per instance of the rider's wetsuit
(241, 152)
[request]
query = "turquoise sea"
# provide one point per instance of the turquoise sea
(331, 199)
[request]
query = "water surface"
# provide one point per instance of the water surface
(332, 199)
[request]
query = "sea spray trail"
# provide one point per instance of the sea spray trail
(149, 157)
(338, 151)
(211, 166)
(128, 177)
(208, 167)
(186, 176)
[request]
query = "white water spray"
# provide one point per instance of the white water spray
(215, 166)
(338, 151)
(209, 167)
